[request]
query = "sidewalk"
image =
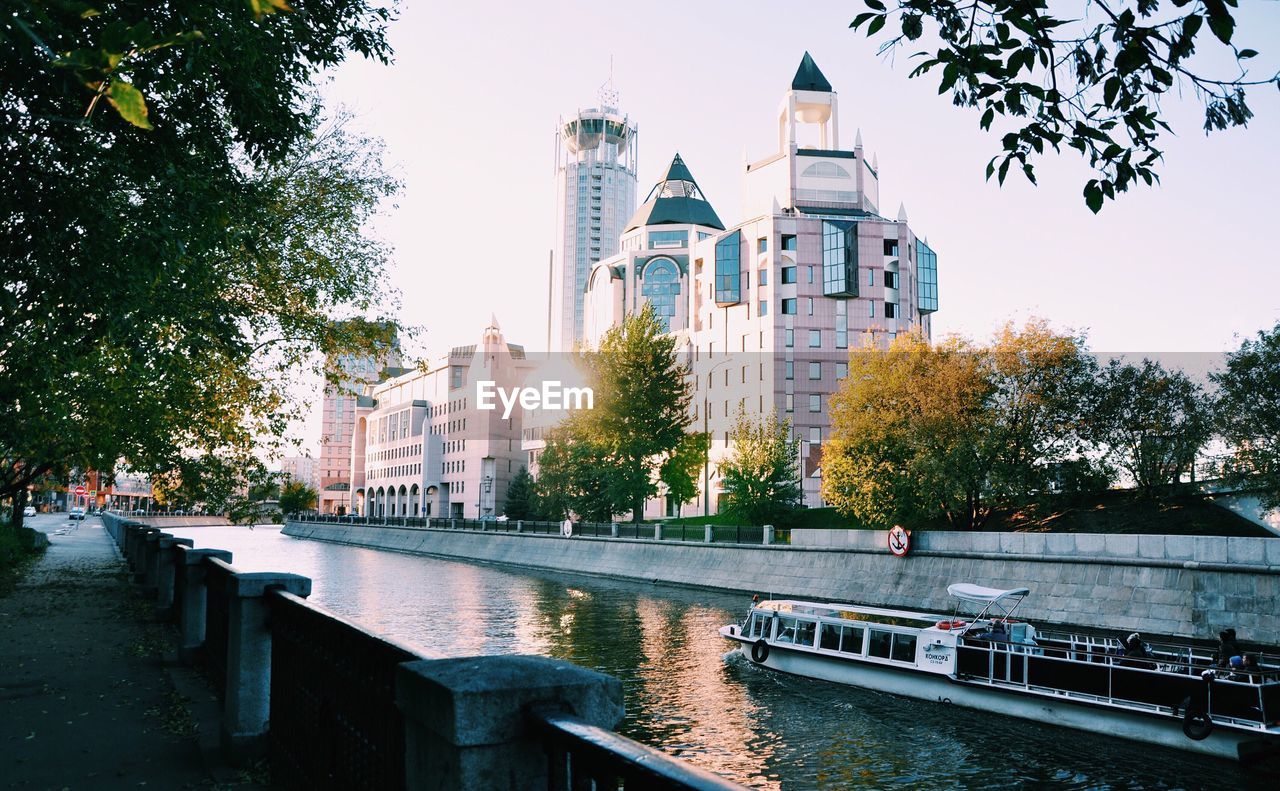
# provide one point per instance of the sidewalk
(85, 699)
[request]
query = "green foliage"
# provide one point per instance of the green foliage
(1248, 413)
(761, 477)
(522, 497)
(610, 459)
(1092, 80)
(165, 289)
(954, 429)
(296, 496)
(1150, 422)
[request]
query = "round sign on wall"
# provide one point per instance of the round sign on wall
(899, 541)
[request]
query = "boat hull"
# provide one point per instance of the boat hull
(1153, 728)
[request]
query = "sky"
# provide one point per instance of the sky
(470, 107)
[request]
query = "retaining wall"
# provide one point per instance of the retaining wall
(1176, 586)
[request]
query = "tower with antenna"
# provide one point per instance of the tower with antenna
(595, 177)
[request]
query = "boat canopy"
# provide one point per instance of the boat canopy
(978, 593)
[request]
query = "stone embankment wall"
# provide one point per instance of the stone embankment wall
(1159, 585)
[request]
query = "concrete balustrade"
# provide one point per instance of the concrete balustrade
(191, 564)
(167, 572)
(467, 720)
(247, 705)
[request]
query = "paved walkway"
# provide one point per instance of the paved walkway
(85, 699)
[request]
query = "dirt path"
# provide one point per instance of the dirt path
(85, 700)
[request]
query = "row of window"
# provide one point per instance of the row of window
(853, 640)
(396, 453)
(395, 472)
(448, 467)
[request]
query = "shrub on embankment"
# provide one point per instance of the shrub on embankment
(19, 549)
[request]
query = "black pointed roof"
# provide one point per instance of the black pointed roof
(676, 200)
(809, 77)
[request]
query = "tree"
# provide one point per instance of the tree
(177, 228)
(1093, 80)
(761, 476)
(296, 496)
(1247, 413)
(521, 500)
(952, 429)
(1150, 422)
(575, 475)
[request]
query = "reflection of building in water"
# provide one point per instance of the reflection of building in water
(423, 446)
(768, 309)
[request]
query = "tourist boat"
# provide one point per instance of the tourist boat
(995, 662)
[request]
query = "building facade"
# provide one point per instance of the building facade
(338, 421)
(424, 444)
(595, 182)
(767, 310)
(302, 469)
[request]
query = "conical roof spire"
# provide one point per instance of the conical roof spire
(676, 200)
(809, 77)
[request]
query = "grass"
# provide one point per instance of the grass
(1114, 511)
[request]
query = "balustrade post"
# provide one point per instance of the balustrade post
(190, 563)
(453, 524)
(166, 573)
(466, 720)
(138, 552)
(708, 534)
(657, 532)
(768, 534)
(613, 530)
(519, 525)
(246, 710)
(151, 562)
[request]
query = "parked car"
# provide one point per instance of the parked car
(75, 513)
(30, 510)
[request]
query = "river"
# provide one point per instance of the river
(757, 727)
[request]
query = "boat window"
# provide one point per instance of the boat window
(805, 632)
(851, 639)
(759, 624)
(830, 637)
(786, 631)
(904, 647)
(880, 643)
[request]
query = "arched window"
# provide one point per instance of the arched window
(661, 287)
(826, 170)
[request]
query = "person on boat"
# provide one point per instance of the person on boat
(996, 632)
(1134, 648)
(1252, 669)
(1227, 647)
(1236, 663)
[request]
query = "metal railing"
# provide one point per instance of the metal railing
(334, 721)
(584, 756)
(720, 534)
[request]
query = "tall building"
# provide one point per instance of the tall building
(595, 194)
(302, 469)
(425, 445)
(768, 309)
(333, 471)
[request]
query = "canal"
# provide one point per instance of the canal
(757, 727)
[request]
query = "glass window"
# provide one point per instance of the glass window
(839, 258)
(455, 376)
(891, 247)
(842, 370)
(829, 637)
(791, 369)
(904, 647)
(881, 643)
(809, 301)
(851, 639)
(815, 402)
(806, 631)
(762, 245)
(815, 339)
(809, 273)
(763, 308)
(926, 278)
(815, 370)
(789, 306)
(842, 324)
(791, 403)
(871, 308)
(786, 630)
(815, 435)
(791, 337)
(763, 279)
(704, 235)
(729, 269)
(759, 624)
(659, 240)
(890, 279)
(788, 274)
(788, 241)
(661, 288)
(890, 310)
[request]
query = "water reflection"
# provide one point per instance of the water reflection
(761, 728)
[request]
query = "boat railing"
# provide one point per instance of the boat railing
(1196, 657)
(1158, 683)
